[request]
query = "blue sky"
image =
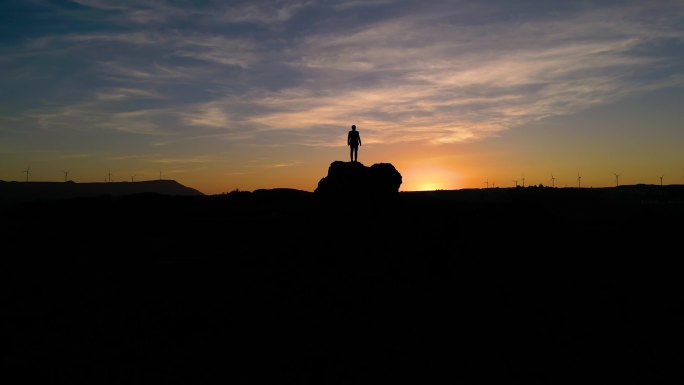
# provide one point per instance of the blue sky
(260, 94)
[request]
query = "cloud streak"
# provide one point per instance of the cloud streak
(93, 116)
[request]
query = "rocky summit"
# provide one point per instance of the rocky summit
(355, 183)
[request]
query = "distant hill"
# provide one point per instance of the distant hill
(30, 191)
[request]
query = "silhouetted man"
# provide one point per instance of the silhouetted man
(354, 141)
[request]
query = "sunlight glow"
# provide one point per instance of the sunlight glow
(426, 178)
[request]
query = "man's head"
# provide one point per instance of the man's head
(353, 127)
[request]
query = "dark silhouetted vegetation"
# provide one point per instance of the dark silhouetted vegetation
(533, 285)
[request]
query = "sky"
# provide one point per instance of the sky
(225, 95)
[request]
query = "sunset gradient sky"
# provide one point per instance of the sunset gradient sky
(222, 95)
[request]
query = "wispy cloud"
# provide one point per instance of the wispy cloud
(103, 4)
(126, 38)
(185, 160)
(289, 163)
(152, 72)
(73, 156)
(139, 11)
(89, 116)
(438, 74)
(217, 49)
(131, 156)
(262, 12)
(211, 48)
(137, 38)
(350, 4)
(209, 115)
(119, 94)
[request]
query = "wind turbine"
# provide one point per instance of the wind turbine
(617, 179)
(109, 176)
(487, 182)
(27, 172)
(516, 182)
(553, 181)
(160, 175)
(66, 175)
(579, 180)
(661, 180)
(523, 180)
(132, 176)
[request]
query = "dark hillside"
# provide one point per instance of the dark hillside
(499, 285)
(12, 192)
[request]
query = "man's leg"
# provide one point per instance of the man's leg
(351, 153)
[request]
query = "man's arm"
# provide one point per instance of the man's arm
(359, 136)
(349, 138)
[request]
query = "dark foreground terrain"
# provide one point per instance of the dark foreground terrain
(495, 286)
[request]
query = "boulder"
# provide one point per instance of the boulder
(352, 182)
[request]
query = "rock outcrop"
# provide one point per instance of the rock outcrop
(355, 183)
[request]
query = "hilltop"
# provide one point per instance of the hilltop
(32, 191)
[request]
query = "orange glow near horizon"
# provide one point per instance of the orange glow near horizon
(426, 177)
